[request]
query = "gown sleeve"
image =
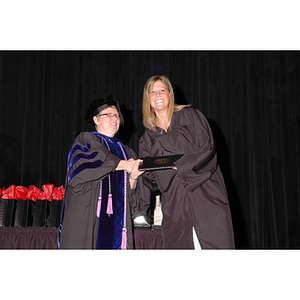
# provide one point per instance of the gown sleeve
(199, 162)
(139, 198)
(89, 160)
(145, 146)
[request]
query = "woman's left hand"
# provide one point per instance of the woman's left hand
(135, 172)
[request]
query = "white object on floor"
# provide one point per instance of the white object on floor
(140, 220)
(157, 212)
(196, 241)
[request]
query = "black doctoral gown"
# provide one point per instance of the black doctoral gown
(195, 194)
(91, 162)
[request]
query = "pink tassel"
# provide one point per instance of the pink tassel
(124, 239)
(109, 209)
(98, 207)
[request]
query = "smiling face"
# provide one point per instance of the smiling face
(107, 121)
(159, 97)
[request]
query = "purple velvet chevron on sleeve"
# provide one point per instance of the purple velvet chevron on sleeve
(80, 158)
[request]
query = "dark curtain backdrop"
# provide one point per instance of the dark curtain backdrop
(251, 99)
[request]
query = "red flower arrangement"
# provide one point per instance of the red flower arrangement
(22, 206)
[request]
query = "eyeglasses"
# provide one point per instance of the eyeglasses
(110, 115)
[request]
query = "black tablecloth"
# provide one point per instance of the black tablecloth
(46, 238)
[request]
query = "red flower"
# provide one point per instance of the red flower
(34, 193)
(58, 193)
(47, 191)
(9, 193)
(21, 192)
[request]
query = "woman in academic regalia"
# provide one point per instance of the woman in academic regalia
(101, 177)
(195, 207)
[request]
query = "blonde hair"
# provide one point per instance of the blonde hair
(149, 117)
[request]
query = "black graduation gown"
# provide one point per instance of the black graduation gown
(195, 194)
(79, 220)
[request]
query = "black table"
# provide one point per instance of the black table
(46, 238)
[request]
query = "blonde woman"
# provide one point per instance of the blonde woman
(196, 212)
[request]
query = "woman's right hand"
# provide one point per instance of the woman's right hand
(126, 165)
(131, 166)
